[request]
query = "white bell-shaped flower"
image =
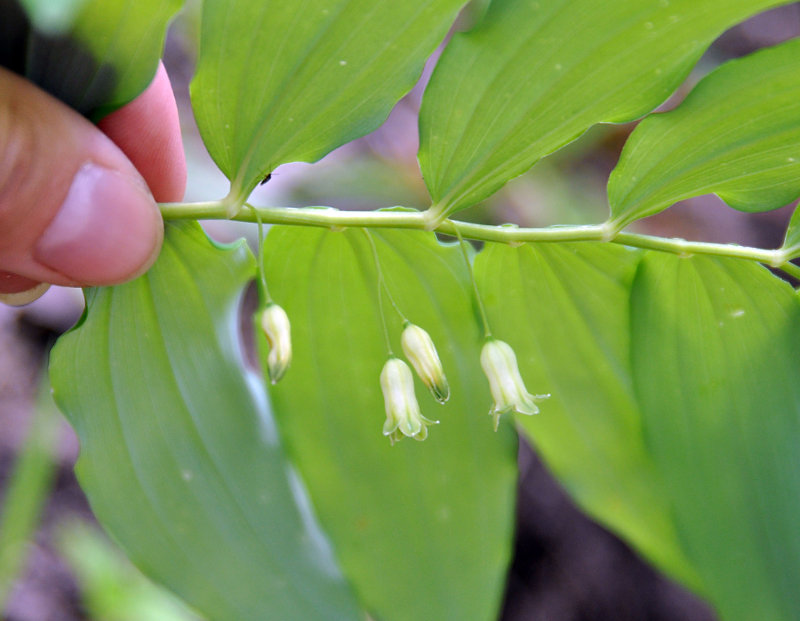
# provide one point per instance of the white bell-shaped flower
(403, 416)
(508, 390)
(421, 353)
(275, 324)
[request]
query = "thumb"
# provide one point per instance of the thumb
(73, 209)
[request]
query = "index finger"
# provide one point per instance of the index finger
(148, 131)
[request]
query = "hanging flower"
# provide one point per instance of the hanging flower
(421, 353)
(508, 390)
(275, 324)
(403, 417)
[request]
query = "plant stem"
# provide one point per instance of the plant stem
(487, 331)
(410, 219)
(381, 279)
(262, 279)
(791, 269)
(381, 289)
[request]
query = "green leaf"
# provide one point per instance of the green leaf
(472, 14)
(564, 309)
(94, 55)
(535, 75)
(422, 529)
(737, 134)
(284, 81)
(179, 454)
(792, 242)
(716, 353)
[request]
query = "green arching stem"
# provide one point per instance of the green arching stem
(487, 331)
(408, 219)
(381, 289)
(262, 279)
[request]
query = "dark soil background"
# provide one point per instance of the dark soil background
(565, 568)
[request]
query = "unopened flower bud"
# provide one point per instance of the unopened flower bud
(421, 353)
(508, 390)
(275, 324)
(403, 417)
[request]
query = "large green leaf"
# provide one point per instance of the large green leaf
(94, 55)
(179, 454)
(716, 354)
(564, 309)
(737, 135)
(284, 81)
(422, 529)
(535, 75)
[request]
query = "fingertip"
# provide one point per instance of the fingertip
(148, 131)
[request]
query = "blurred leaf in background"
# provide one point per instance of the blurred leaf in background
(27, 490)
(111, 588)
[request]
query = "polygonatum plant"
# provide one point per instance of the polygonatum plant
(671, 365)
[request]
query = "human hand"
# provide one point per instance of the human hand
(75, 208)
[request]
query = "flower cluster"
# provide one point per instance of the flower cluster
(403, 415)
